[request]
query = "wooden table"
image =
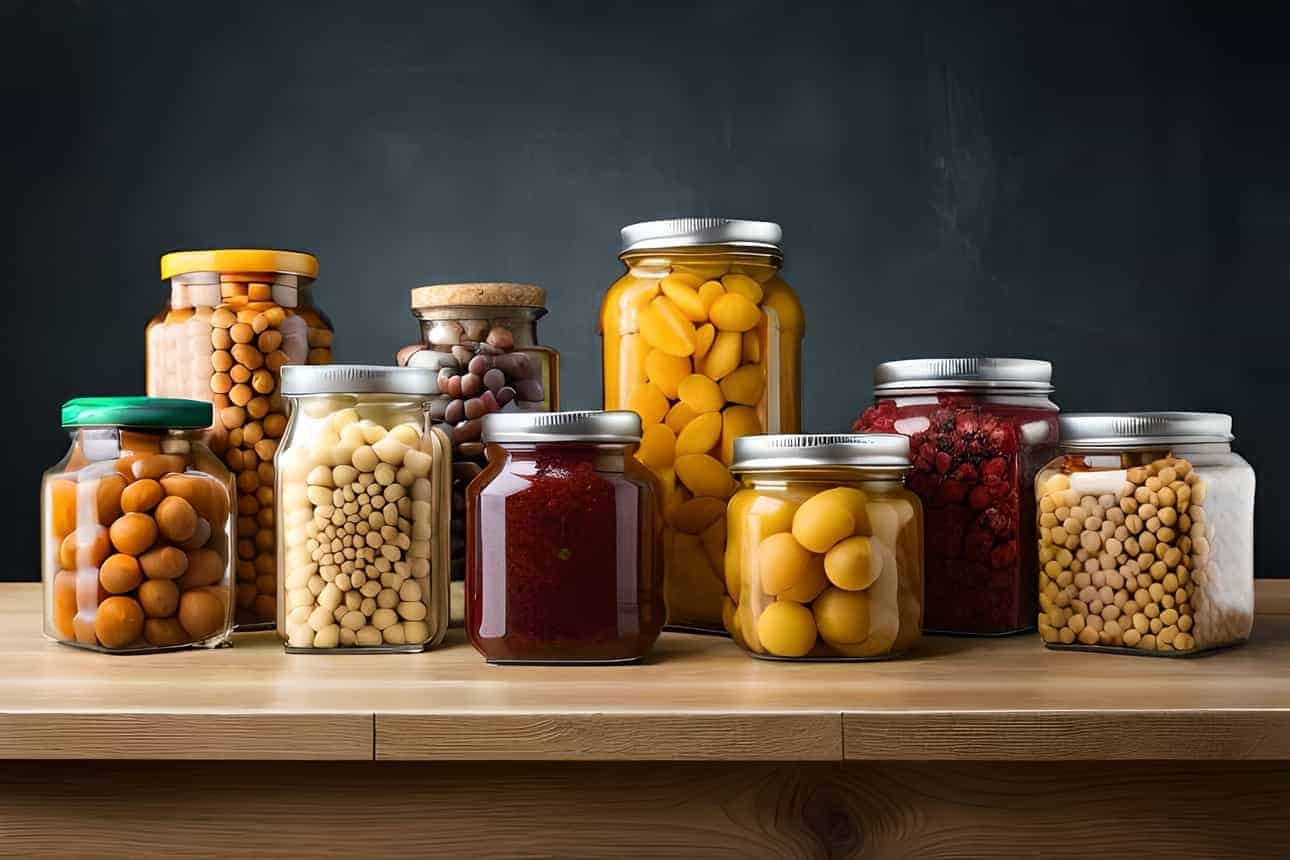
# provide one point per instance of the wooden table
(969, 748)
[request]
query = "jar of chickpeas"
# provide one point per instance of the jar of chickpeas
(232, 320)
(824, 559)
(136, 530)
(702, 338)
(1146, 535)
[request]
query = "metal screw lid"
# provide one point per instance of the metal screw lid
(686, 232)
(1118, 430)
(154, 412)
(301, 379)
(590, 426)
(922, 374)
(816, 450)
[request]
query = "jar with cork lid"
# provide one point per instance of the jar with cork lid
(481, 341)
(1146, 535)
(233, 319)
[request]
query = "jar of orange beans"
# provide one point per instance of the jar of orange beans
(702, 339)
(136, 530)
(232, 320)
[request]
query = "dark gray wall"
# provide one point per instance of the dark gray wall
(1103, 185)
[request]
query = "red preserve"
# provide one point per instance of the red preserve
(563, 541)
(979, 430)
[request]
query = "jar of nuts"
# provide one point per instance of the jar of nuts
(362, 498)
(979, 429)
(481, 341)
(136, 528)
(1146, 535)
(702, 339)
(825, 553)
(234, 318)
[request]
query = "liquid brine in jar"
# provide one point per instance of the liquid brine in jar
(233, 320)
(702, 339)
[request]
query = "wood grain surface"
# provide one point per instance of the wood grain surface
(487, 809)
(696, 697)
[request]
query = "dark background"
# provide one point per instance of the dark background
(1101, 184)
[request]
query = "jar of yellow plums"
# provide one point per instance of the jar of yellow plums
(825, 553)
(702, 338)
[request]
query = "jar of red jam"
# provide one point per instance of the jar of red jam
(563, 541)
(979, 429)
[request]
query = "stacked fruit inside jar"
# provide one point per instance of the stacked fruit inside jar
(226, 338)
(823, 573)
(972, 466)
(697, 357)
(139, 540)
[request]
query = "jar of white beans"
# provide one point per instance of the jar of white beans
(363, 510)
(1146, 535)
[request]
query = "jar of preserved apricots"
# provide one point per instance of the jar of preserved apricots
(702, 338)
(481, 340)
(136, 529)
(1146, 535)
(233, 319)
(825, 548)
(979, 429)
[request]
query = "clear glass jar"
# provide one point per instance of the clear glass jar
(979, 429)
(137, 529)
(825, 553)
(482, 341)
(702, 338)
(233, 319)
(362, 496)
(563, 561)
(1146, 535)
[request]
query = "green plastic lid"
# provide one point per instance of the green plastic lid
(156, 412)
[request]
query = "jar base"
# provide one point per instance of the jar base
(360, 649)
(592, 661)
(151, 649)
(931, 631)
(1138, 652)
(877, 658)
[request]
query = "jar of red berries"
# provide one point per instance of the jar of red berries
(979, 429)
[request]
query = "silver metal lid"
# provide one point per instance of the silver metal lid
(1118, 430)
(300, 379)
(590, 426)
(921, 374)
(685, 232)
(819, 450)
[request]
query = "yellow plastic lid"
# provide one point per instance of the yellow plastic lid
(238, 260)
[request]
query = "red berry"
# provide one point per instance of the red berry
(979, 498)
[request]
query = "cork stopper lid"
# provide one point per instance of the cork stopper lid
(488, 293)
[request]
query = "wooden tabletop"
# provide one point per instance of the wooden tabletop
(696, 698)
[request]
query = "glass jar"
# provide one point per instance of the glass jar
(1146, 535)
(233, 319)
(979, 429)
(562, 562)
(362, 495)
(702, 338)
(825, 553)
(137, 529)
(481, 339)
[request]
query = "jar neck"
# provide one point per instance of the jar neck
(876, 475)
(212, 289)
(603, 457)
(451, 324)
(1149, 452)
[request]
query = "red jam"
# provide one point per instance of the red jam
(562, 561)
(974, 463)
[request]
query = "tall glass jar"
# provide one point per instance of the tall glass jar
(979, 429)
(825, 553)
(362, 495)
(1146, 535)
(702, 339)
(233, 319)
(563, 561)
(482, 341)
(137, 530)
